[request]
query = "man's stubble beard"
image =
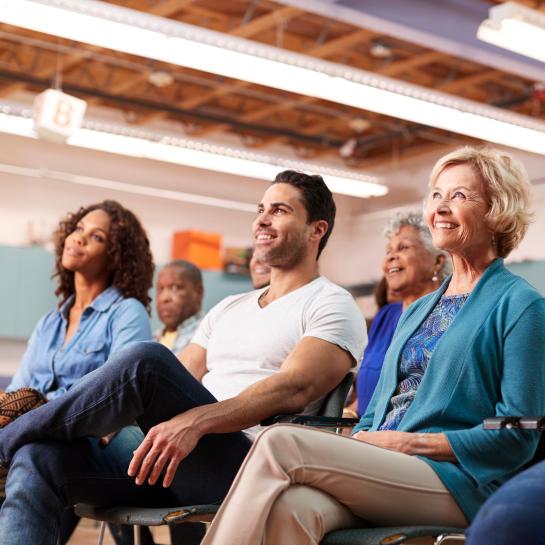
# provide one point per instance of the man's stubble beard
(286, 256)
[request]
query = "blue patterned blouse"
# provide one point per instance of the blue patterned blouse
(416, 355)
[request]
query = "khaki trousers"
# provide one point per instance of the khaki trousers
(297, 484)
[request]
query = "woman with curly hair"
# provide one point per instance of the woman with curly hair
(104, 267)
(105, 270)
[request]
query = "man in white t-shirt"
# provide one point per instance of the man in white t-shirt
(246, 343)
(276, 350)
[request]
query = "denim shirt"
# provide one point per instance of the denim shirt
(106, 325)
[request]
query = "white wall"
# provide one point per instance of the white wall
(354, 252)
(41, 202)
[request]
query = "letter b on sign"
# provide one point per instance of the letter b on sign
(63, 114)
(57, 115)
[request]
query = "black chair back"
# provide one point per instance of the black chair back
(333, 403)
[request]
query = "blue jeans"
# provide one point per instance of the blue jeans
(515, 514)
(189, 533)
(53, 462)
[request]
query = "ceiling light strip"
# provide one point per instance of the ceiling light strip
(194, 153)
(517, 28)
(15, 170)
(149, 36)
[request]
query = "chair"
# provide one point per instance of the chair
(328, 416)
(395, 536)
(522, 423)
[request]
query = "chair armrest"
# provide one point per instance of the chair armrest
(515, 422)
(501, 422)
(316, 421)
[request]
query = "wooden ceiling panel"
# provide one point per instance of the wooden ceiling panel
(207, 104)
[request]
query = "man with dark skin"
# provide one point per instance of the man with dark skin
(179, 302)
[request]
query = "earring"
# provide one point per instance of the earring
(493, 240)
(434, 278)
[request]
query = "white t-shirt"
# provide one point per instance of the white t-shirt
(246, 343)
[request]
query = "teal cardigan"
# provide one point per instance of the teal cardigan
(490, 362)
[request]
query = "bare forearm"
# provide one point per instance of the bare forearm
(193, 358)
(306, 375)
(198, 371)
(250, 407)
(433, 445)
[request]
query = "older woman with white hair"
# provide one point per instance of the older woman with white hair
(412, 267)
(472, 349)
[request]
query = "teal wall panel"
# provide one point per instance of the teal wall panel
(36, 288)
(8, 287)
(533, 271)
(27, 289)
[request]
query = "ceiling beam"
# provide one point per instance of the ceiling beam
(338, 44)
(162, 9)
(469, 81)
(272, 19)
(399, 67)
(246, 30)
(169, 7)
(392, 69)
(129, 82)
(48, 71)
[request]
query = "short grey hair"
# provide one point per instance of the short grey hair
(416, 221)
(192, 272)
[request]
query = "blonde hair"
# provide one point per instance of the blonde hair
(506, 185)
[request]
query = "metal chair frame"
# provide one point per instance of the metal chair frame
(328, 417)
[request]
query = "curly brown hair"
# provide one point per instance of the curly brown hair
(129, 253)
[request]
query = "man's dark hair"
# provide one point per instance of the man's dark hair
(316, 197)
(192, 272)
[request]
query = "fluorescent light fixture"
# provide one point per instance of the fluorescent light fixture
(66, 177)
(195, 153)
(137, 33)
(515, 27)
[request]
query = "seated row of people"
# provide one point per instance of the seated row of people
(257, 354)
(468, 350)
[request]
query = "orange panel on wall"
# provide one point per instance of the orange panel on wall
(203, 249)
